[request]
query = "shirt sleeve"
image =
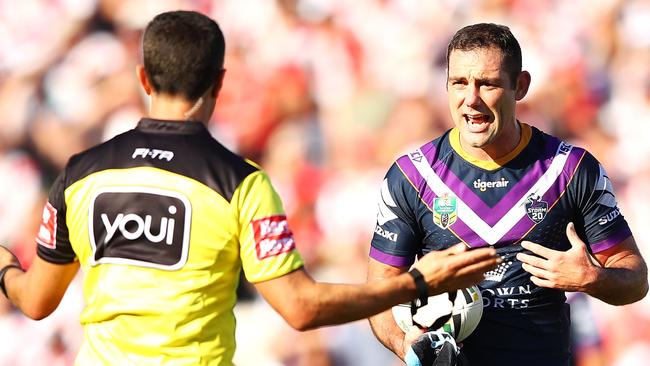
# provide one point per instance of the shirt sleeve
(396, 240)
(53, 241)
(267, 246)
(600, 219)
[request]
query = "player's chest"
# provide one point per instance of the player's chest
(496, 209)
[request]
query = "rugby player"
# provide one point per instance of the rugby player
(547, 206)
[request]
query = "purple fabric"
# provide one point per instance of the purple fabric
(612, 241)
(389, 259)
(525, 224)
(491, 215)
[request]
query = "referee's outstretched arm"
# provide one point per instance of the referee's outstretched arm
(306, 304)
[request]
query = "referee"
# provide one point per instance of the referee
(162, 219)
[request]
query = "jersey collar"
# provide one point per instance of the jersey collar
(171, 127)
(454, 140)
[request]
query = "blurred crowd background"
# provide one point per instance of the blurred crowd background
(324, 94)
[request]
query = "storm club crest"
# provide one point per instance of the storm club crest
(536, 209)
(445, 211)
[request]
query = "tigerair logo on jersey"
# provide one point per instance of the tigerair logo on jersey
(484, 185)
(140, 226)
(272, 236)
(445, 211)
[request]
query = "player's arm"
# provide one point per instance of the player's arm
(383, 325)
(616, 272)
(621, 276)
(306, 304)
(38, 291)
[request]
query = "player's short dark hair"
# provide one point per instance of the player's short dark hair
(486, 35)
(183, 53)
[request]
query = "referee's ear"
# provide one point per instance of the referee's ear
(141, 74)
(218, 83)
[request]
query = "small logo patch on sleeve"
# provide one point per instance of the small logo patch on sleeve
(47, 232)
(272, 236)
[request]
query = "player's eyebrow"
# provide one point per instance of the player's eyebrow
(489, 81)
(479, 80)
(456, 78)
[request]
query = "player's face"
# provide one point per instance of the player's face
(482, 102)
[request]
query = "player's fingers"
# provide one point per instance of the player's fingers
(574, 239)
(537, 272)
(532, 260)
(538, 249)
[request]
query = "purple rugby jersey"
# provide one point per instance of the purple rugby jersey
(437, 196)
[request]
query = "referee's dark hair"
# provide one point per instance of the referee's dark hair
(486, 35)
(183, 53)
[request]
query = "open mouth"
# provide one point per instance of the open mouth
(477, 123)
(475, 119)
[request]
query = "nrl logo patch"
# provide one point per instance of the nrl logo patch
(536, 209)
(444, 211)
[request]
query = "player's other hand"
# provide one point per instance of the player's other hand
(455, 268)
(433, 348)
(571, 270)
(7, 257)
(411, 336)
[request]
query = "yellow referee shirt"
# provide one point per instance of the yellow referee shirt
(162, 218)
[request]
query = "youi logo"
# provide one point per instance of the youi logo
(140, 226)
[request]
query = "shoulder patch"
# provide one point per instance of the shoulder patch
(47, 232)
(272, 236)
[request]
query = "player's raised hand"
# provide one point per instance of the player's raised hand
(456, 267)
(572, 270)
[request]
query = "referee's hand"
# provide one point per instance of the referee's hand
(456, 267)
(7, 257)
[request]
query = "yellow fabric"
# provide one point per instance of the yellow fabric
(454, 140)
(147, 316)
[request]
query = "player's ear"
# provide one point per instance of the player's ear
(143, 78)
(218, 83)
(523, 82)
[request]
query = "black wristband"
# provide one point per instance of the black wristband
(421, 287)
(3, 271)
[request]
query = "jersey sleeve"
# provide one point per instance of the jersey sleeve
(599, 216)
(53, 241)
(396, 241)
(267, 246)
